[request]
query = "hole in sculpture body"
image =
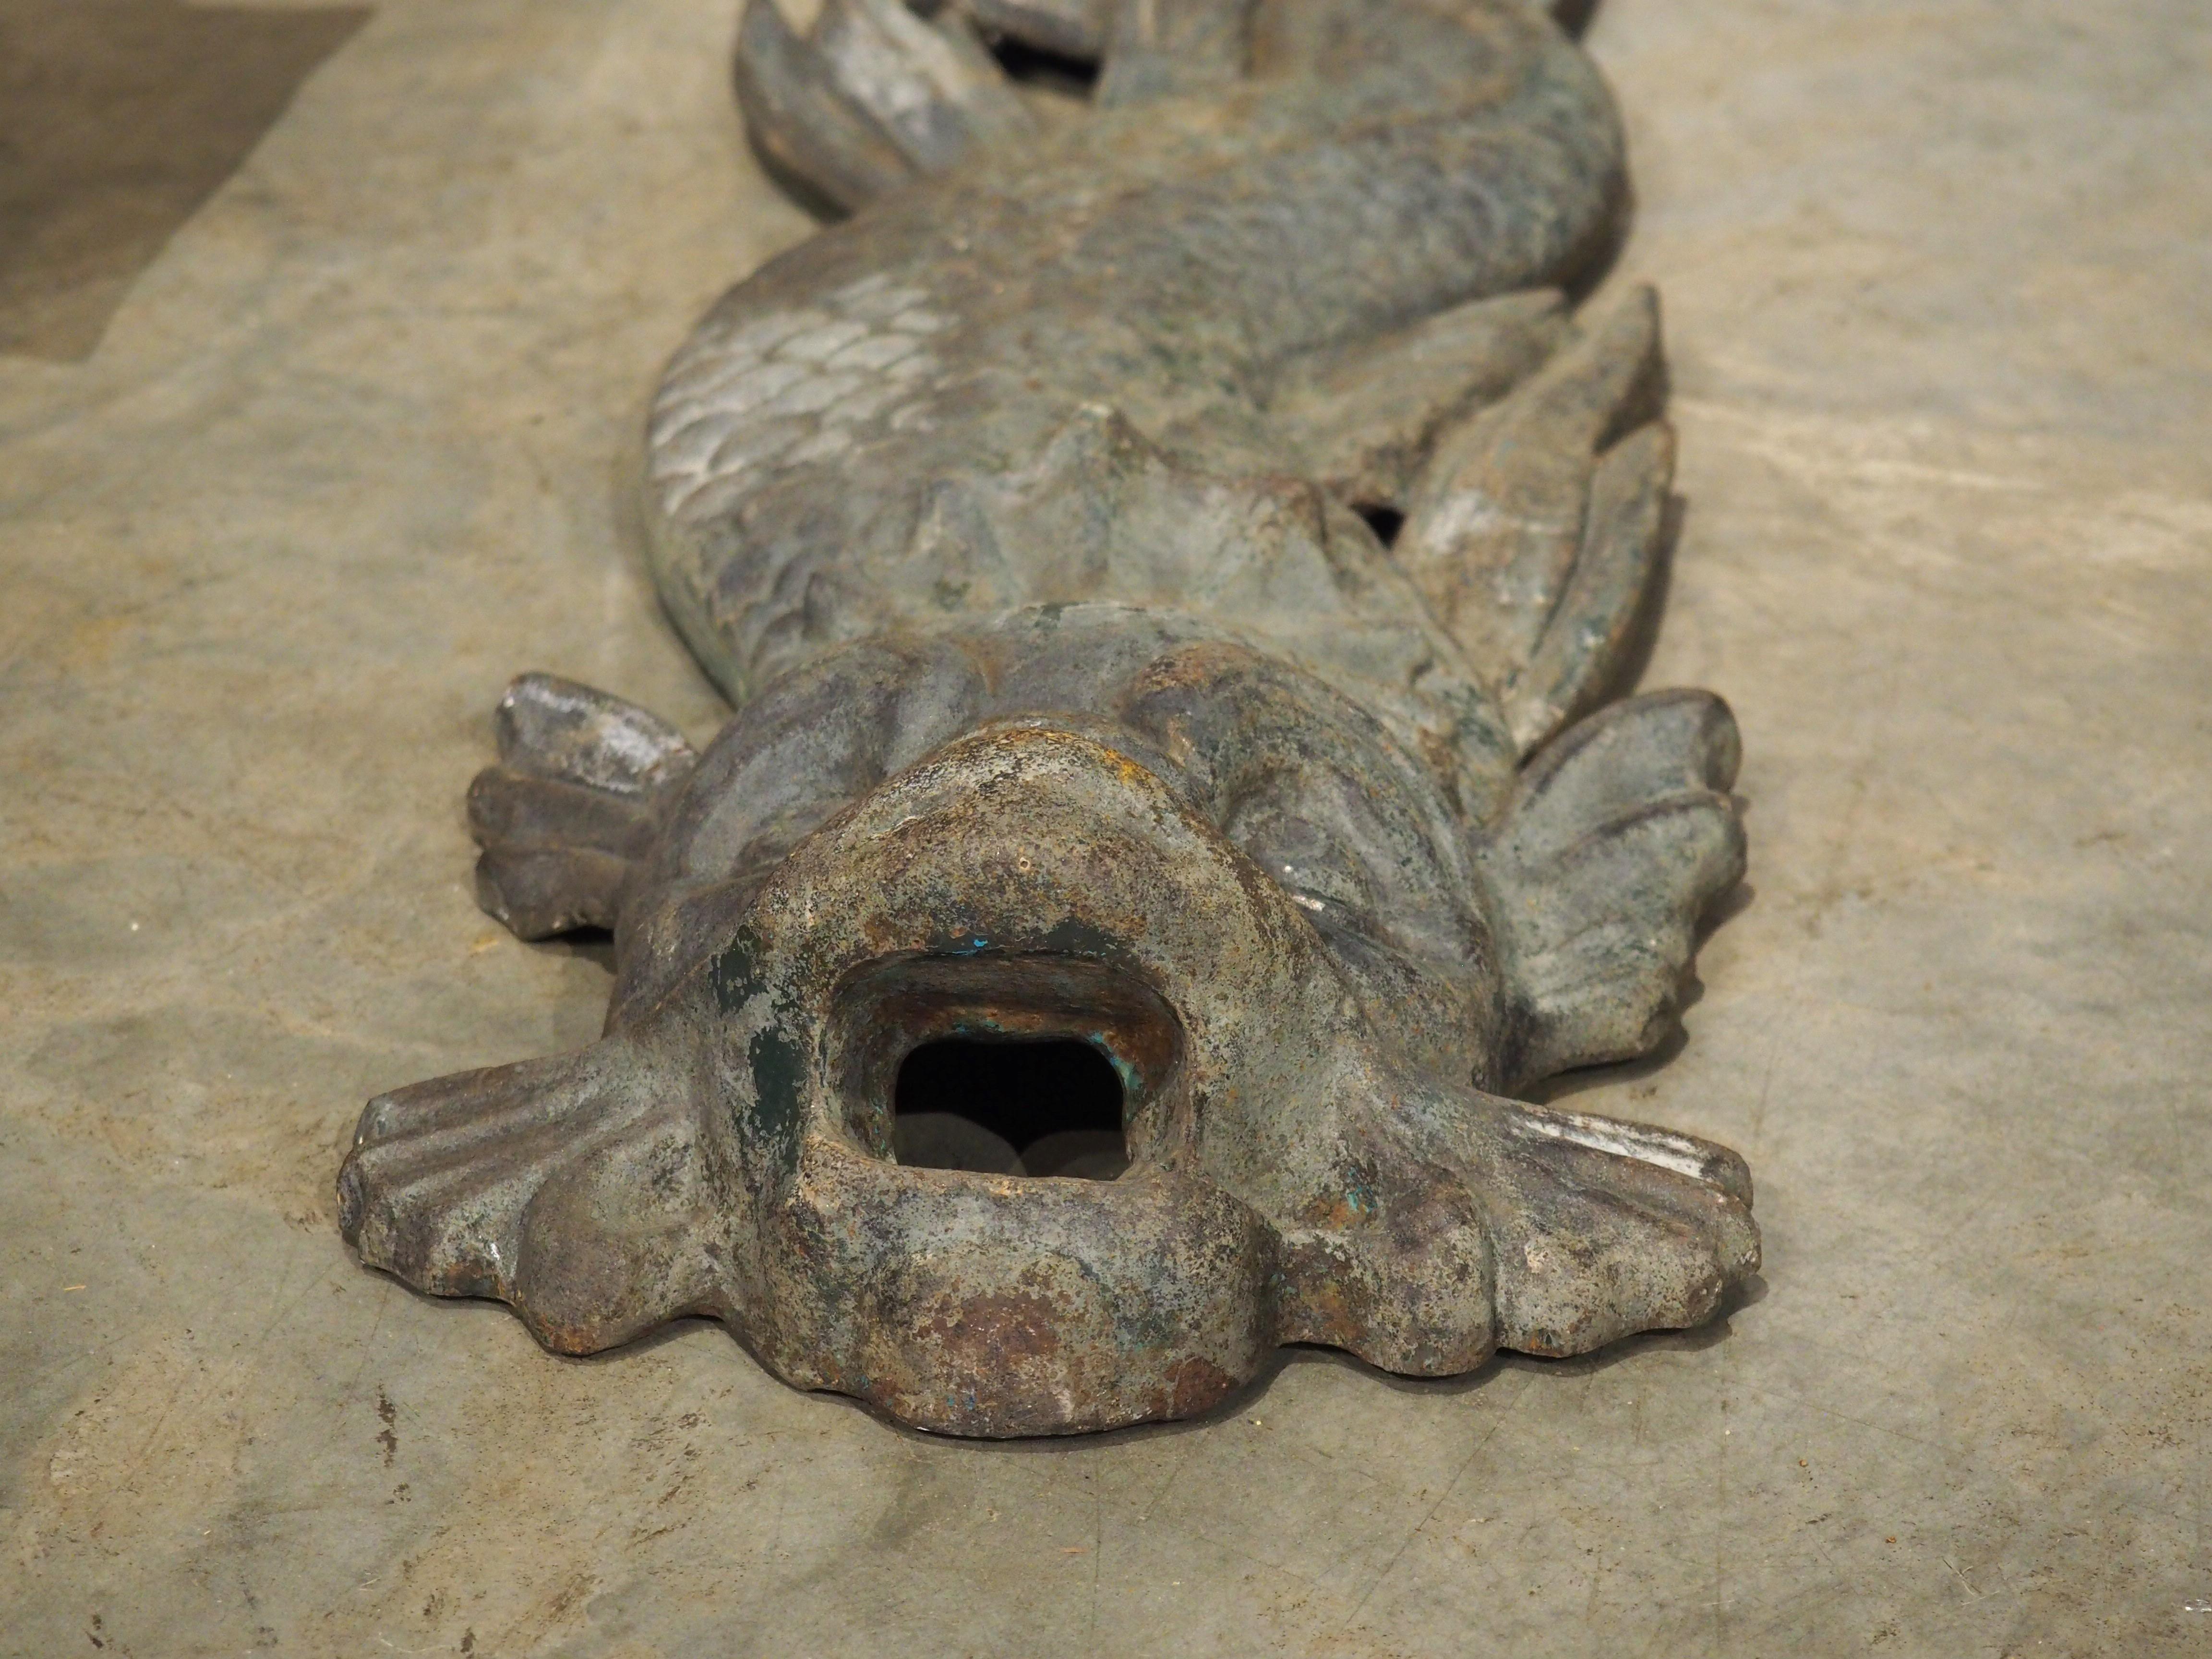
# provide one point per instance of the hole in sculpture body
(1047, 71)
(1049, 1107)
(1384, 521)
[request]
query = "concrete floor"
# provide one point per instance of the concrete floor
(355, 448)
(118, 120)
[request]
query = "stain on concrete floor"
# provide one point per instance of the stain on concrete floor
(118, 118)
(356, 449)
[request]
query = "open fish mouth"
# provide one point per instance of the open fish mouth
(1030, 886)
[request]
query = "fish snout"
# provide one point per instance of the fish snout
(1030, 939)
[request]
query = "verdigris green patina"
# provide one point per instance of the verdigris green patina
(1174, 563)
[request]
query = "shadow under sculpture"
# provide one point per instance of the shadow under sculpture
(1033, 521)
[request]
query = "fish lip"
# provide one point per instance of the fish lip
(994, 1305)
(1000, 1306)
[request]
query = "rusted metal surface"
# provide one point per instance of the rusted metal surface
(1173, 567)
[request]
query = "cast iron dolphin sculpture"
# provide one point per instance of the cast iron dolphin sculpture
(1173, 569)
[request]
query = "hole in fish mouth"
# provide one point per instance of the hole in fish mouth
(1037, 1063)
(1049, 1107)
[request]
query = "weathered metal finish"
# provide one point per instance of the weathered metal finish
(1030, 518)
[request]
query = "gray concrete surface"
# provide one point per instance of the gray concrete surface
(355, 448)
